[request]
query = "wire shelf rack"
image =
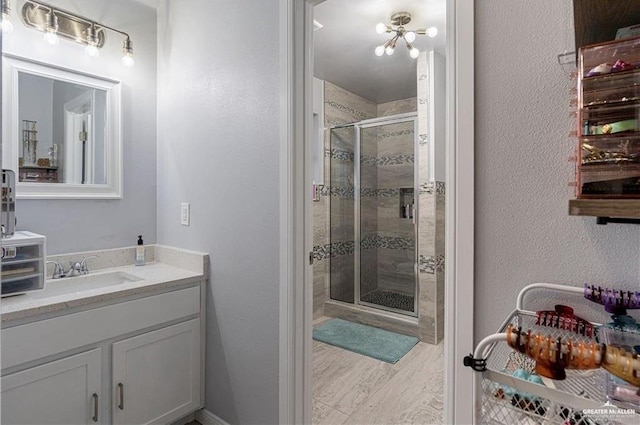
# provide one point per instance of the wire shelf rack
(580, 399)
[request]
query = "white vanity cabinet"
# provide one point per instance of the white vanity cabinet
(137, 361)
(156, 375)
(62, 392)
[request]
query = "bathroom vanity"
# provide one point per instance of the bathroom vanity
(121, 345)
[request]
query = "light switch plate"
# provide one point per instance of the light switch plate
(185, 213)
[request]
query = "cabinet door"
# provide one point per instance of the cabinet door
(65, 392)
(156, 376)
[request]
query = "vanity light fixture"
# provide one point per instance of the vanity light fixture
(399, 20)
(7, 26)
(56, 22)
(92, 41)
(51, 29)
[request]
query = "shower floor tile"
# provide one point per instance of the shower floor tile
(389, 299)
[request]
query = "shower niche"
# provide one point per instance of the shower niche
(373, 210)
(407, 203)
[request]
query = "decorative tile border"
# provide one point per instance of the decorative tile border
(379, 193)
(431, 264)
(322, 252)
(387, 160)
(387, 134)
(323, 190)
(396, 160)
(422, 139)
(340, 154)
(422, 77)
(347, 109)
(343, 192)
(430, 188)
(348, 192)
(387, 242)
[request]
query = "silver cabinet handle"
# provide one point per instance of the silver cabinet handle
(95, 407)
(121, 403)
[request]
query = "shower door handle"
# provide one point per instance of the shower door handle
(311, 258)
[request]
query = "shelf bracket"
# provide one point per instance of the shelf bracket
(606, 220)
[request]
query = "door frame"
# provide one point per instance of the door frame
(296, 245)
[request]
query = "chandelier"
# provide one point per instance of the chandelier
(399, 20)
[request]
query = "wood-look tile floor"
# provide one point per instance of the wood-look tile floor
(353, 389)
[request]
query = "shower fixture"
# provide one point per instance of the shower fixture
(399, 20)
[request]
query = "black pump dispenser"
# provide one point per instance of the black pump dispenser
(140, 255)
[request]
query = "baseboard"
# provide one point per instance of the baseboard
(207, 418)
(185, 420)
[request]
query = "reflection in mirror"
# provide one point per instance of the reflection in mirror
(63, 129)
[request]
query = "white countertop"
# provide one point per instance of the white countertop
(153, 277)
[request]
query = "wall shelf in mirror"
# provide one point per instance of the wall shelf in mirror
(62, 131)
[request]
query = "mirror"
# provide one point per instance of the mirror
(61, 132)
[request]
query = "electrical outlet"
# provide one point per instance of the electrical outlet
(185, 213)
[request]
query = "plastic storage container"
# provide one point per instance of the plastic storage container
(23, 263)
(608, 160)
(625, 332)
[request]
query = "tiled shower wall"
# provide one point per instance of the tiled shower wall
(431, 223)
(342, 107)
(387, 164)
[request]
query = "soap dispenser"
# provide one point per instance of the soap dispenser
(140, 252)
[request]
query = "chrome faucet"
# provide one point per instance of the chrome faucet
(58, 270)
(76, 268)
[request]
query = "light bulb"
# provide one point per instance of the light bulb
(92, 50)
(432, 32)
(389, 50)
(51, 29)
(127, 48)
(381, 28)
(379, 50)
(410, 36)
(51, 38)
(7, 26)
(414, 53)
(92, 41)
(127, 60)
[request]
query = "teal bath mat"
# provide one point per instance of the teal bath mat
(367, 340)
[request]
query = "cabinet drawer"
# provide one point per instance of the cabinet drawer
(22, 344)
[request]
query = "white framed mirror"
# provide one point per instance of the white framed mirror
(62, 132)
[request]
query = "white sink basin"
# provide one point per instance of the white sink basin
(69, 285)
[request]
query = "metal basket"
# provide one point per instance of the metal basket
(580, 399)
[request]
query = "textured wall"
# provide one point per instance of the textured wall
(219, 149)
(82, 225)
(523, 232)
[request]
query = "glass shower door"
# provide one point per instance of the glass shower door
(341, 215)
(386, 229)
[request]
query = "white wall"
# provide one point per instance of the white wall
(36, 104)
(79, 225)
(523, 231)
(218, 148)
